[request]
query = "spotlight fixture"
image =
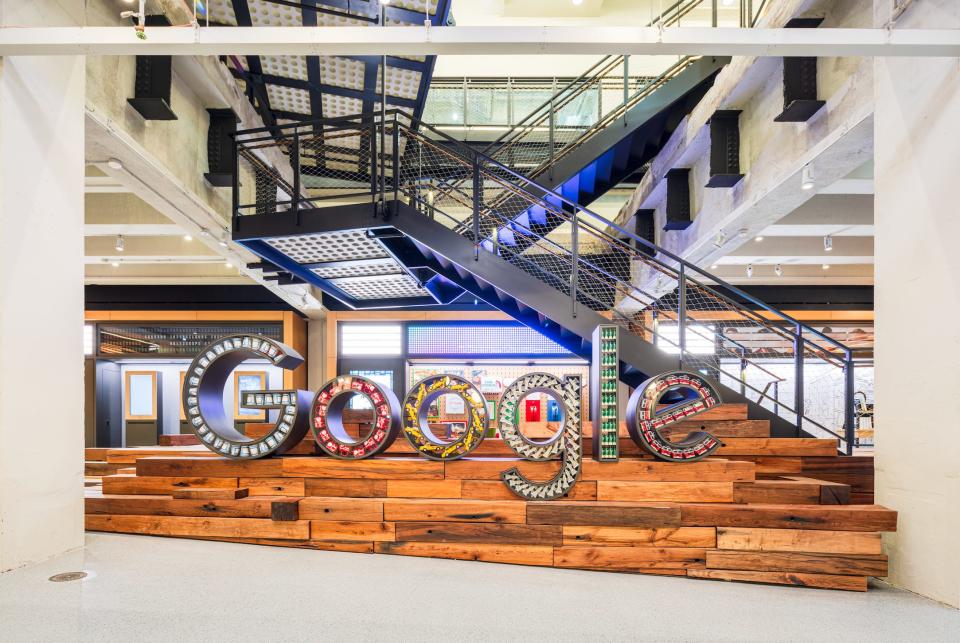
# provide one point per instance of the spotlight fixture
(114, 164)
(828, 243)
(778, 270)
(749, 270)
(118, 246)
(758, 238)
(187, 237)
(807, 178)
(825, 266)
(721, 239)
(742, 233)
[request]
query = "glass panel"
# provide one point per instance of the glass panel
(479, 339)
(383, 378)
(141, 395)
(371, 339)
(444, 106)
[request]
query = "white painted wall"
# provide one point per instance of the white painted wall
(41, 295)
(917, 304)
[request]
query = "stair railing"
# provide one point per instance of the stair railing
(794, 370)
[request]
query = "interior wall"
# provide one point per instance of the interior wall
(41, 294)
(918, 270)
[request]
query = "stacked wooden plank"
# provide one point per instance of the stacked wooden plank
(710, 519)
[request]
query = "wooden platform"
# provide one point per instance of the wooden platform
(763, 510)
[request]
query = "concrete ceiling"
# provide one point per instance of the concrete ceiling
(155, 249)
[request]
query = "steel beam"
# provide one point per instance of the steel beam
(477, 40)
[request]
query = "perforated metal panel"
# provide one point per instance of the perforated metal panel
(381, 287)
(287, 66)
(366, 269)
(335, 246)
(289, 99)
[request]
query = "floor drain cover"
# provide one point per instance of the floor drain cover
(67, 576)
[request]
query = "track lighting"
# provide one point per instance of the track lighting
(828, 243)
(807, 178)
(749, 270)
(778, 270)
(118, 246)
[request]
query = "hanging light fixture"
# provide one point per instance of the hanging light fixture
(807, 178)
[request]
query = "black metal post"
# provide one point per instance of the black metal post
(682, 313)
(236, 185)
(477, 204)
(396, 165)
(552, 151)
(383, 117)
(743, 373)
(776, 399)
(575, 270)
(295, 163)
(849, 427)
(626, 87)
(798, 375)
(373, 164)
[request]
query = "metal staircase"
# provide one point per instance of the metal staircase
(360, 216)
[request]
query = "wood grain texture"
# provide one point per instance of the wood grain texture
(720, 428)
(831, 517)
(781, 492)
(423, 488)
(584, 490)
(274, 486)
(348, 509)
(351, 531)
(640, 537)
(211, 494)
(710, 470)
(183, 526)
(777, 446)
(846, 565)
(210, 467)
(514, 554)
(635, 491)
(491, 468)
(454, 511)
(629, 558)
(258, 507)
(799, 540)
(373, 468)
(345, 487)
(605, 514)
(161, 485)
(822, 581)
(479, 532)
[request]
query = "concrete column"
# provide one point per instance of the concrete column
(41, 295)
(918, 306)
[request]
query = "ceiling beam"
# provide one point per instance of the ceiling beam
(132, 230)
(103, 185)
(477, 40)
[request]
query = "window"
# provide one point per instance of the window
(383, 378)
(140, 395)
(371, 339)
(701, 339)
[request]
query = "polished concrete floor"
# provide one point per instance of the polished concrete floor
(157, 589)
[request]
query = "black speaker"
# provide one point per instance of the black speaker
(800, 101)
(724, 149)
(152, 88)
(678, 199)
(221, 160)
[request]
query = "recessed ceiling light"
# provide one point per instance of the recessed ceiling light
(115, 263)
(826, 266)
(758, 239)
(187, 237)
(114, 164)
(727, 3)
(577, 3)
(713, 267)
(228, 264)
(807, 178)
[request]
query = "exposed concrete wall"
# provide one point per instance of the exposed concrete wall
(41, 295)
(917, 305)
(772, 154)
